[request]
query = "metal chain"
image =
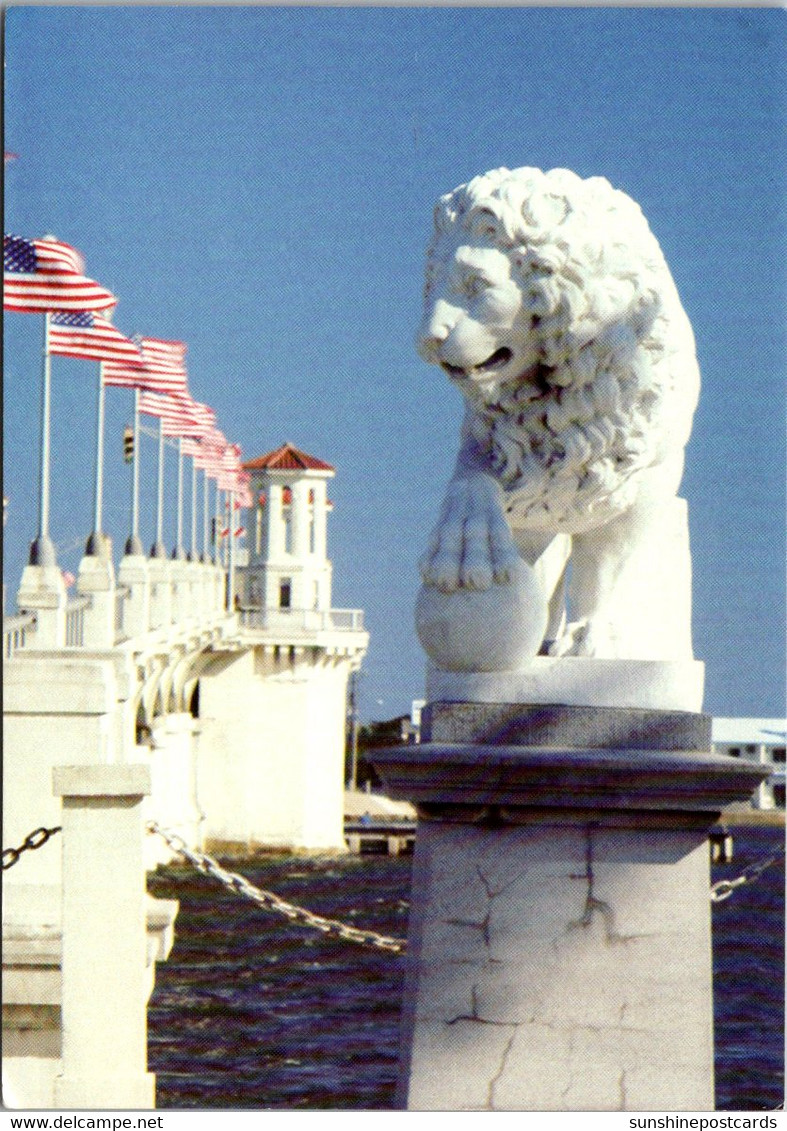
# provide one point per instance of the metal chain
(724, 888)
(36, 839)
(270, 902)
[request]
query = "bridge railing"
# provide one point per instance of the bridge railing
(301, 620)
(16, 631)
(75, 621)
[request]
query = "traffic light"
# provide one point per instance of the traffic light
(128, 445)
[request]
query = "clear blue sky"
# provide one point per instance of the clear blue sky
(259, 182)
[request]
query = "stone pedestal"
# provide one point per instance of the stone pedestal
(104, 964)
(42, 591)
(97, 580)
(560, 951)
(160, 574)
(134, 573)
(672, 685)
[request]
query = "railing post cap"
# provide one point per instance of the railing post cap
(130, 780)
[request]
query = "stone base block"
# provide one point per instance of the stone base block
(560, 952)
(558, 968)
(666, 685)
(560, 726)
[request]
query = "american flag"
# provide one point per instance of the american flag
(45, 275)
(166, 362)
(89, 335)
(204, 417)
(205, 456)
(174, 413)
(213, 444)
(163, 368)
(228, 478)
(126, 376)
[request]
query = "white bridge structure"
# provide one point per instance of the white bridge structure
(157, 694)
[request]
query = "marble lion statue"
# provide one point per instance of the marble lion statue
(549, 305)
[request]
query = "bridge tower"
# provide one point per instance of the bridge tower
(272, 713)
(287, 532)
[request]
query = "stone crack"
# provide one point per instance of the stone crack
(499, 1074)
(593, 904)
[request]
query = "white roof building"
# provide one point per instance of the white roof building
(763, 741)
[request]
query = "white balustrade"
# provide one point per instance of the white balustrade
(302, 620)
(75, 621)
(16, 631)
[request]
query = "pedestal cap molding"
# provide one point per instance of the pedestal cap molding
(520, 776)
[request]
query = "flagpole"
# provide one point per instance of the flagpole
(134, 544)
(194, 556)
(205, 493)
(216, 554)
(42, 551)
(159, 550)
(231, 587)
(177, 553)
(95, 543)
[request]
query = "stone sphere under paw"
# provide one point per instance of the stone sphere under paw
(489, 630)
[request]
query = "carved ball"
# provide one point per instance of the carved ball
(490, 630)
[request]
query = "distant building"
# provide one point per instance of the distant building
(415, 718)
(273, 715)
(762, 741)
(288, 565)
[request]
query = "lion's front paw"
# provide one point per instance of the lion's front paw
(588, 637)
(471, 547)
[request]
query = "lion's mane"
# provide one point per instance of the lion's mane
(616, 383)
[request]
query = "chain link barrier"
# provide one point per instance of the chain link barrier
(724, 888)
(270, 902)
(36, 839)
(719, 891)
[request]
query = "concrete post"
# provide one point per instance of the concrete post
(560, 950)
(160, 593)
(105, 980)
(134, 573)
(42, 591)
(97, 580)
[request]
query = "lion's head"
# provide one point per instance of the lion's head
(549, 304)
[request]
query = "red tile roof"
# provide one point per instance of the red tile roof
(287, 458)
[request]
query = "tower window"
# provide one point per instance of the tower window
(285, 593)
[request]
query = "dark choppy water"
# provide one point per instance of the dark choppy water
(251, 1012)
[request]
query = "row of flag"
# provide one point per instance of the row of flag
(47, 276)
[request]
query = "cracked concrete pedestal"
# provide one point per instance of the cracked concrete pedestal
(560, 953)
